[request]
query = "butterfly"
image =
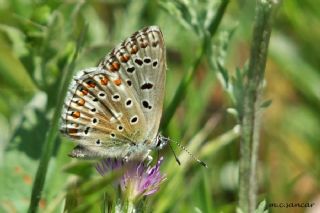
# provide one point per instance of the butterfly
(114, 110)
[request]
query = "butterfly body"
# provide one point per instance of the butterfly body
(114, 109)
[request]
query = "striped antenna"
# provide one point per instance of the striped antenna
(188, 152)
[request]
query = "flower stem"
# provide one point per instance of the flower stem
(250, 119)
(131, 207)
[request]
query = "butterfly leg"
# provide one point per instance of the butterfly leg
(149, 159)
(125, 159)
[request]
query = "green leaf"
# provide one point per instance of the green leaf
(190, 14)
(41, 14)
(261, 207)
(224, 74)
(238, 90)
(13, 73)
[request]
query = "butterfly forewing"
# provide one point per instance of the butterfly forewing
(118, 104)
(143, 66)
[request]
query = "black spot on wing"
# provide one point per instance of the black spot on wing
(146, 86)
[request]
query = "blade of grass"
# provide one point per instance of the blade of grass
(212, 146)
(212, 28)
(53, 130)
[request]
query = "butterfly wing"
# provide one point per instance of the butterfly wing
(143, 65)
(116, 106)
(102, 114)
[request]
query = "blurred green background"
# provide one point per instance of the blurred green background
(38, 39)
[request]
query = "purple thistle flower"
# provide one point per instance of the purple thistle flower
(138, 180)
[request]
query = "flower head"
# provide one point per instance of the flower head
(138, 179)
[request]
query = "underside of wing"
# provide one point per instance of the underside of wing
(102, 114)
(141, 62)
(115, 108)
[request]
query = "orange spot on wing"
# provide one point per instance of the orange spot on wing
(143, 43)
(124, 58)
(104, 81)
(72, 131)
(75, 114)
(84, 91)
(81, 102)
(115, 66)
(134, 49)
(91, 84)
(117, 82)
